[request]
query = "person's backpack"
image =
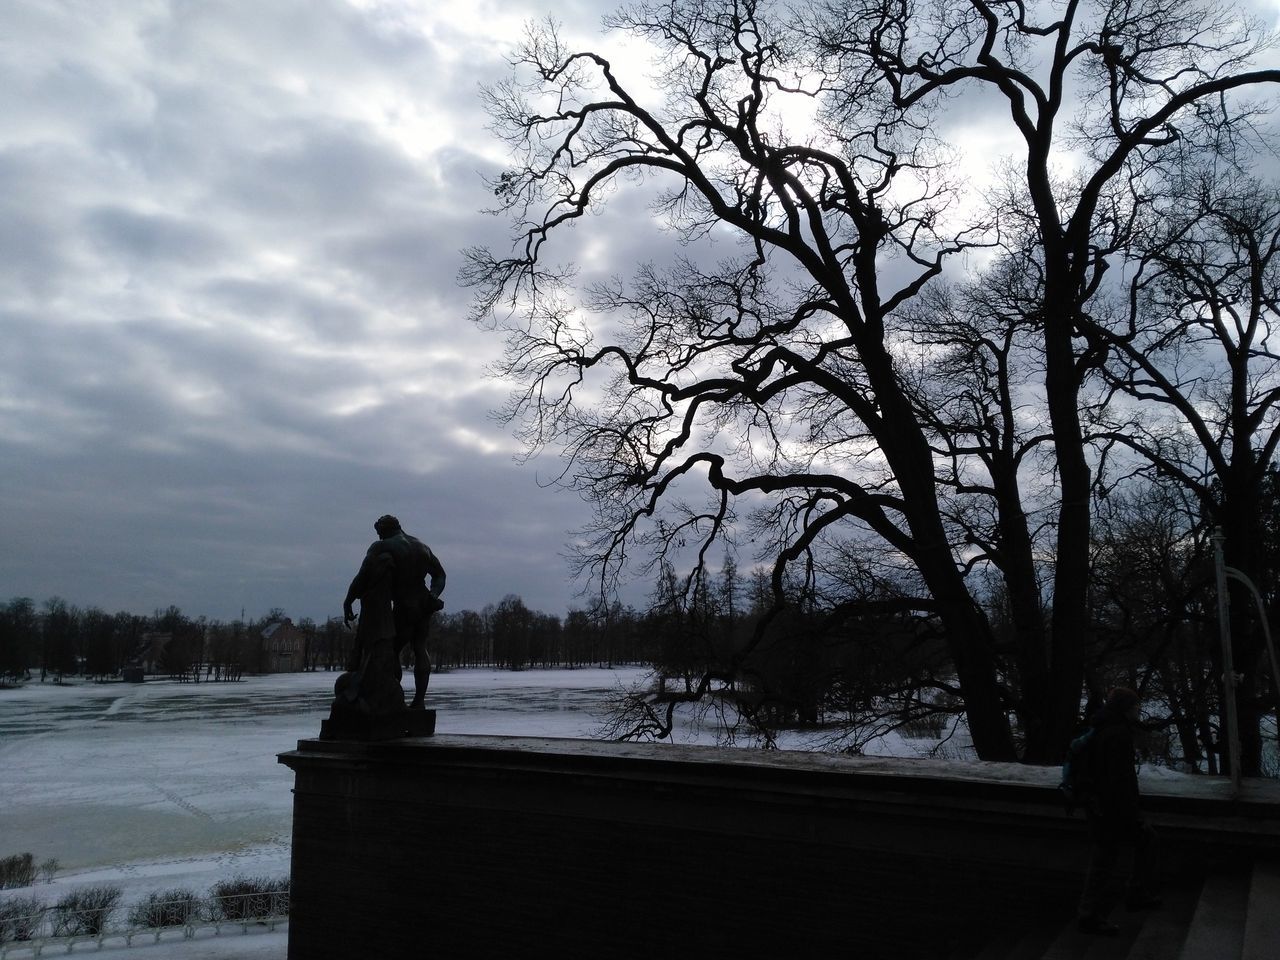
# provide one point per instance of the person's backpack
(1077, 786)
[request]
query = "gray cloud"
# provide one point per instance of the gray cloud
(149, 239)
(229, 236)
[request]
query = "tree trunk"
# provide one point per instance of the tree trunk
(1018, 567)
(1069, 622)
(968, 638)
(968, 633)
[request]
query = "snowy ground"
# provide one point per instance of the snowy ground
(160, 785)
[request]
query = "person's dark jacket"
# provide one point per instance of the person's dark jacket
(1112, 772)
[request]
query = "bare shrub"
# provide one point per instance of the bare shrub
(18, 870)
(85, 911)
(20, 918)
(929, 727)
(250, 898)
(166, 908)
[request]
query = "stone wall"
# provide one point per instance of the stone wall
(462, 846)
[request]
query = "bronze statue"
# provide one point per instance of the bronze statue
(396, 604)
(413, 600)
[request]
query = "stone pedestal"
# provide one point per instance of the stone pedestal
(353, 726)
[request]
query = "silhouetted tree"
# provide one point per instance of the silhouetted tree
(98, 640)
(1195, 347)
(797, 345)
(58, 635)
(19, 637)
(510, 625)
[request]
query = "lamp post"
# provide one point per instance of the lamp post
(1228, 664)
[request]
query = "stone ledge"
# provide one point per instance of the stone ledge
(1167, 799)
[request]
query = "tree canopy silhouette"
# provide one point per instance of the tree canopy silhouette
(846, 373)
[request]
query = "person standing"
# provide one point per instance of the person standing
(1114, 817)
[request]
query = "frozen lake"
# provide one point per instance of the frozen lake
(98, 775)
(165, 784)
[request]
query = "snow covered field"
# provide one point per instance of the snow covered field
(163, 784)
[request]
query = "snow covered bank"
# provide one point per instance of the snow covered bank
(160, 785)
(163, 784)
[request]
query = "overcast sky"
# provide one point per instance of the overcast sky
(230, 331)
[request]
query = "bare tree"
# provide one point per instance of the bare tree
(784, 382)
(1196, 349)
(1155, 80)
(49, 869)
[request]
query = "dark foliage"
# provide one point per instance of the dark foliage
(18, 870)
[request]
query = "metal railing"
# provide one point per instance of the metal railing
(48, 926)
(1230, 679)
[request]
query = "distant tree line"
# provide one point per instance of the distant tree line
(58, 639)
(509, 635)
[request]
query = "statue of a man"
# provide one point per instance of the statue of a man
(396, 598)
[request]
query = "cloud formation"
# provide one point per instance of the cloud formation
(229, 236)
(231, 331)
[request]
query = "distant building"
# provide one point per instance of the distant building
(151, 650)
(282, 648)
